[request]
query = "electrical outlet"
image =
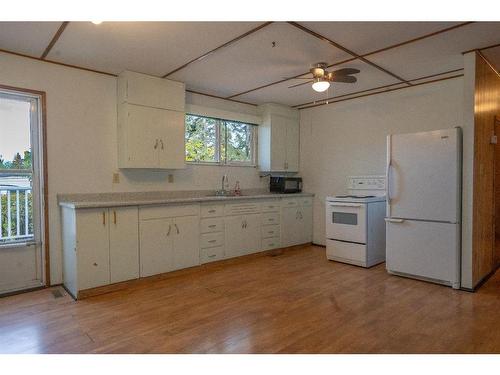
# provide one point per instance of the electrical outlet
(170, 178)
(116, 178)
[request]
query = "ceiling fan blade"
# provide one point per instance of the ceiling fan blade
(300, 84)
(345, 79)
(290, 78)
(345, 71)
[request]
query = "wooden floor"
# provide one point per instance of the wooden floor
(297, 302)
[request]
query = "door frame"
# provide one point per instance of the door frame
(42, 129)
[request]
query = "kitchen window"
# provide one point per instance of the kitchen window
(218, 141)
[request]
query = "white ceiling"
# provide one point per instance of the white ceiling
(157, 48)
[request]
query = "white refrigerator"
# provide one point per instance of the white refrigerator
(424, 173)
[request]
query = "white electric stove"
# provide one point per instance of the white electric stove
(355, 226)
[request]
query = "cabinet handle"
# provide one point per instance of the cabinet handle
(270, 219)
(161, 141)
(177, 228)
(169, 229)
(156, 144)
(212, 226)
(212, 241)
(300, 214)
(211, 211)
(114, 217)
(104, 218)
(212, 255)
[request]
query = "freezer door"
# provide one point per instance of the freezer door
(424, 249)
(424, 175)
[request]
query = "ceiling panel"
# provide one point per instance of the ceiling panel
(440, 53)
(364, 37)
(368, 78)
(493, 56)
(253, 61)
(29, 38)
(149, 47)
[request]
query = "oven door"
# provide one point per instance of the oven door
(346, 221)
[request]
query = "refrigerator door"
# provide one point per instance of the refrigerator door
(424, 175)
(424, 249)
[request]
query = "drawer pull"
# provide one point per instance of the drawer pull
(270, 232)
(270, 219)
(212, 226)
(212, 255)
(212, 241)
(211, 211)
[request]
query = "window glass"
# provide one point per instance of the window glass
(201, 139)
(239, 142)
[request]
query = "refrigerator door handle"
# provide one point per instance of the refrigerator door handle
(387, 176)
(391, 220)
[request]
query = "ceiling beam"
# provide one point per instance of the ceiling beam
(425, 36)
(219, 97)
(384, 91)
(323, 101)
(218, 48)
(55, 38)
(482, 48)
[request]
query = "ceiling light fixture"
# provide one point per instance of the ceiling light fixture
(320, 86)
(96, 22)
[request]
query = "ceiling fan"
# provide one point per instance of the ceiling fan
(321, 78)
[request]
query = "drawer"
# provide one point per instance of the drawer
(347, 252)
(307, 201)
(270, 218)
(273, 206)
(211, 240)
(242, 208)
(270, 231)
(271, 243)
(213, 210)
(289, 202)
(212, 254)
(212, 225)
(159, 212)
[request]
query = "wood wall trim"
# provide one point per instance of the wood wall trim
(492, 67)
(425, 36)
(220, 97)
(45, 187)
(218, 48)
(481, 48)
(376, 88)
(384, 91)
(55, 38)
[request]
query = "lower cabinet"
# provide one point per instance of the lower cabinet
(243, 234)
(169, 243)
(296, 222)
(100, 246)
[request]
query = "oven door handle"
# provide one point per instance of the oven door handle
(345, 204)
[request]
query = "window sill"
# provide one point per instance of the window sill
(208, 164)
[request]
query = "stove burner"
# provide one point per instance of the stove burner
(355, 196)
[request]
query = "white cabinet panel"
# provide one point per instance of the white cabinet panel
(92, 247)
(251, 235)
(172, 142)
(278, 143)
(212, 254)
(292, 146)
(296, 225)
(123, 243)
(186, 245)
(156, 246)
(235, 245)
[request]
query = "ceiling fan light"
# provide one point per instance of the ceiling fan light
(96, 22)
(320, 86)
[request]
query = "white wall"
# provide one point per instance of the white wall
(81, 140)
(349, 138)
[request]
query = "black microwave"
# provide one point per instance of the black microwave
(285, 185)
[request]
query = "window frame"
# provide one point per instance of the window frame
(221, 160)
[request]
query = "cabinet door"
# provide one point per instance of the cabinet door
(251, 233)
(143, 131)
(92, 247)
(172, 139)
(235, 245)
(290, 226)
(186, 249)
(156, 246)
(123, 243)
(292, 146)
(304, 226)
(278, 142)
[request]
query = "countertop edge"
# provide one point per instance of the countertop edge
(172, 201)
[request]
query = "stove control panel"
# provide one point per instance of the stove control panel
(366, 183)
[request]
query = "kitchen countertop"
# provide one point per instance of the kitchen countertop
(162, 197)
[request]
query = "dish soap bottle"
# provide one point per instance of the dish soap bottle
(237, 189)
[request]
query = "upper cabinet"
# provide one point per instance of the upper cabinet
(279, 139)
(150, 122)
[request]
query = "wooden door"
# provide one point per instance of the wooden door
(156, 244)
(123, 244)
(186, 247)
(92, 247)
(172, 141)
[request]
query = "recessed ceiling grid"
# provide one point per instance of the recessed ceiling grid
(347, 54)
